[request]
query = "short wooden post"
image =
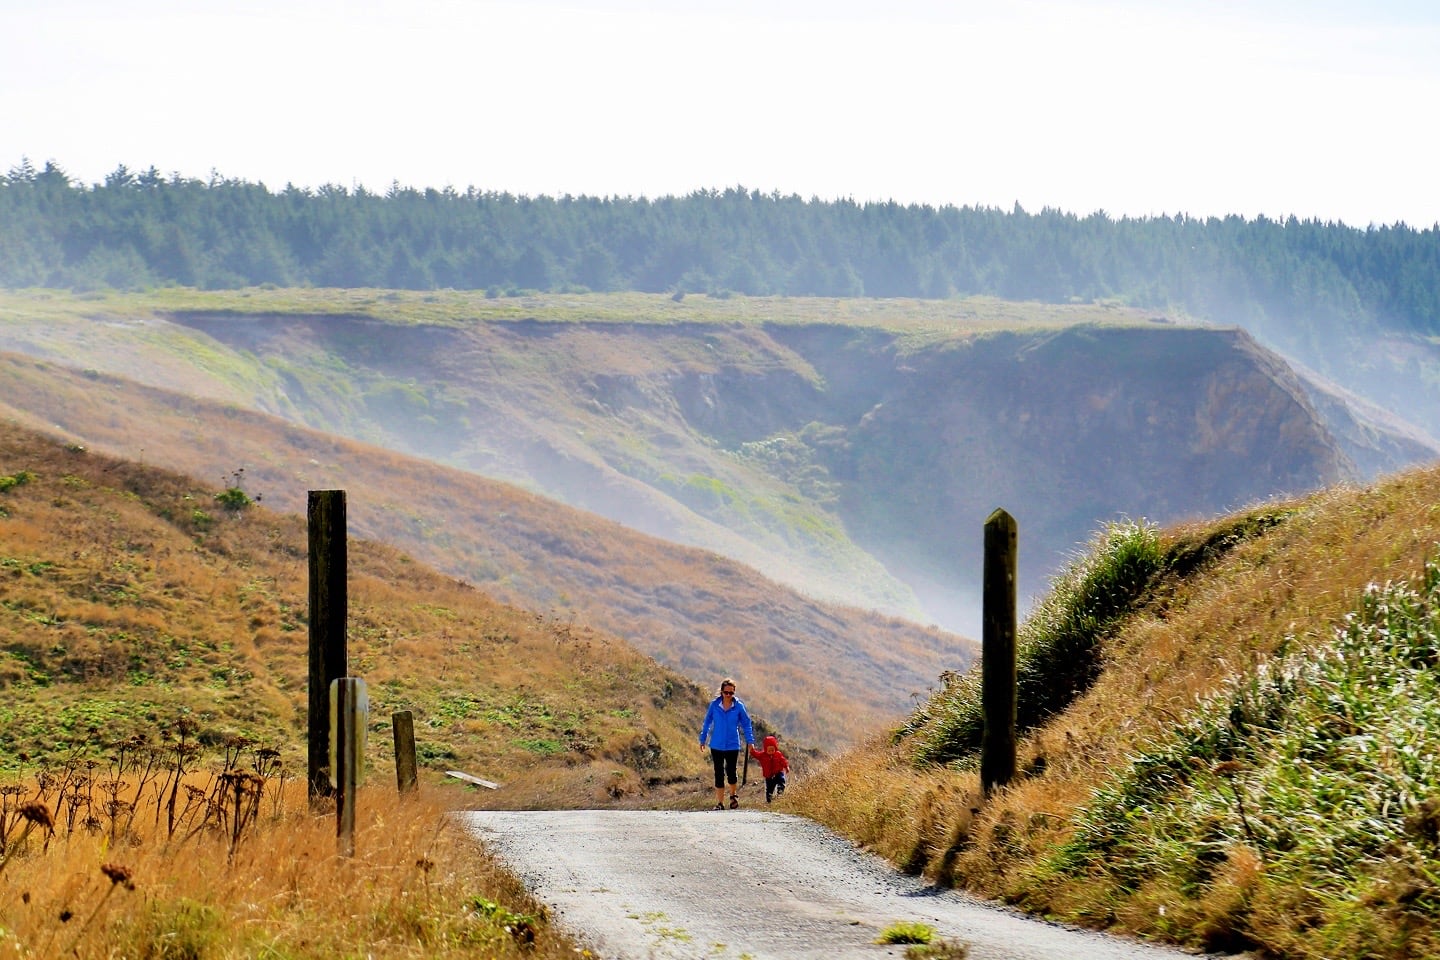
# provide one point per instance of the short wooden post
(997, 652)
(328, 601)
(404, 726)
(350, 708)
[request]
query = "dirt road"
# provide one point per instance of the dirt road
(670, 885)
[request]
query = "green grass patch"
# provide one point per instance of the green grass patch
(1322, 766)
(1058, 647)
(907, 931)
(17, 479)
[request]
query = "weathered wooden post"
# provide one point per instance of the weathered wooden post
(403, 724)
(997, 652)
(349, 713)
(328, 601)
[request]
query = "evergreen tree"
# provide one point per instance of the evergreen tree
(1297, 281)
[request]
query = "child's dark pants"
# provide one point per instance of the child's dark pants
(774, 785)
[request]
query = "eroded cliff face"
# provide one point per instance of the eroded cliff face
(1066, 431)
(848, 461)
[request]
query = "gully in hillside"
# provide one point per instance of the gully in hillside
(725, 722)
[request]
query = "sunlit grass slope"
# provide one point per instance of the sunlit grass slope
(153, 660)
(924, 317)
(822, 674)
(130, 597)
(1230, 738)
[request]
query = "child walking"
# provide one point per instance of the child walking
(774, 765)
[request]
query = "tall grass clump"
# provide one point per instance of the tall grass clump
(1298, 812)
(159, 852)
(1058, 650)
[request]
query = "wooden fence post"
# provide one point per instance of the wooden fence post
(997, 653)
(350, 710)
(328, 601)
(404, 727)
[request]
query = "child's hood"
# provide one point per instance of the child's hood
(771, 742)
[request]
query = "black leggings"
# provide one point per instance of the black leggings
(724, 761)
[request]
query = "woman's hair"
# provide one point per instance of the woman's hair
(727, 682)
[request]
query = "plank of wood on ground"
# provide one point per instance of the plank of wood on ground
(472, 780)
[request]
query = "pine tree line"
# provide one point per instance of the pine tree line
(137, 230)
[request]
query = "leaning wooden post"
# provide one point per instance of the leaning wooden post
(328, 657)
(997, 653)
(404, 727)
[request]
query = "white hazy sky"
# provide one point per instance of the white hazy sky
(1317, 108)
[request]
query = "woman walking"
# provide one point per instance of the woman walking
(725, 722)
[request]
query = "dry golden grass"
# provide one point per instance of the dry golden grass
(695, 612)
(873, 795)
(131, 603)
(1286, 590)
(416, 886)
(129, 598)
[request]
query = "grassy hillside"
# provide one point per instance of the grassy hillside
(1230, 738)
(133, 598)
(153, 663)
(820, 674)
(850, 449)
(1230, 733)
(584, 416)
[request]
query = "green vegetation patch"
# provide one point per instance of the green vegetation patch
(1058, 647)
(540, 746)
(520, 713)
(187, 928)
(35, 568)
(520, 926)
(11, 481)
(907, 931)
(1321, 770)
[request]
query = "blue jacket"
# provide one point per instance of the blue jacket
(727, 725)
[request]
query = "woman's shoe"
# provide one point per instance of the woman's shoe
(719, 806)
(734, 801)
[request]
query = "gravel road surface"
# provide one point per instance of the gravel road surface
(672, 885)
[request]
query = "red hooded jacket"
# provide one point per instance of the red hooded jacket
(770, 763)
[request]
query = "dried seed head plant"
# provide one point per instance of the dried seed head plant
(408, 889)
